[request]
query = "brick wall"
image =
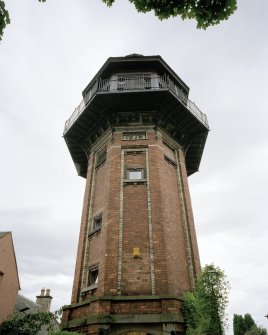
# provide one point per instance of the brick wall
(153, 215)
(135, 271)
(83, 234)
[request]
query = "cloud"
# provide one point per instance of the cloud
(49, 54)
(45, 250)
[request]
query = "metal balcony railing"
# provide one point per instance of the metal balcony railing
(132, 83)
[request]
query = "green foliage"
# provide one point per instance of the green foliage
(197, 321)
(249, 322)
(247, 326)
(238, 324)
(256, 331)
(4, 17)
(242, 324)
(204, 308)
(205, 12)
(26, 324)
(31, 324)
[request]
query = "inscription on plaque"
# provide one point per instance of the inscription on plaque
(132, 136)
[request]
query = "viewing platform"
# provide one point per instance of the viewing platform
(135, 84)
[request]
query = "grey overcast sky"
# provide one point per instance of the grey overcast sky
(48, 55)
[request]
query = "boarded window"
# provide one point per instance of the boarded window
(101, 157)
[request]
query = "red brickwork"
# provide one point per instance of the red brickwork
(155, 201)
(135, 271)
(111, 219)
(159, 241)
(127, 307)
(178, 278)
(83, 235)
(136, 307)
(189, 211)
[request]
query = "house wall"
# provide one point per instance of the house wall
(9, 282)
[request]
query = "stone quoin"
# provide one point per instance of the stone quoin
(135, 137)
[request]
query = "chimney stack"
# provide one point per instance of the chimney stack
(44, 299)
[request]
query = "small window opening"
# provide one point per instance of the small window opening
(97, 222)
(93, 276)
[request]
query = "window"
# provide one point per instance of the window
(95, 227)
(169, 150)
(92, 282)
(93, 276)
(101, 157)
(135, 174)
(97, 222)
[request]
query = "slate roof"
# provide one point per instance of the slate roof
(26, 305)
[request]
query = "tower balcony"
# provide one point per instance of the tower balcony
(130, 84)
(165, 104)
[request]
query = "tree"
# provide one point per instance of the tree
(31, 324)
(26, 324)
(205, 12)
(4, 17)
(241, 324)
(247, 326)
(238, 325)
(248, 322)
(256, 331)
(204, 308)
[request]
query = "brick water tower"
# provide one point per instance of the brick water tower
(135, 137)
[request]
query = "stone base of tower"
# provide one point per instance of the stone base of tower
(136, 315)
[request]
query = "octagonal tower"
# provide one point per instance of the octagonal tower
(135, 137)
